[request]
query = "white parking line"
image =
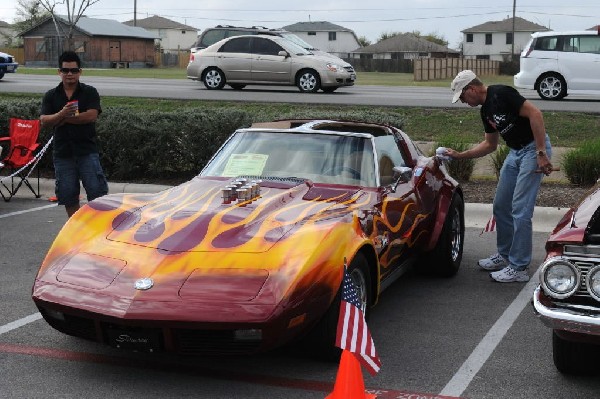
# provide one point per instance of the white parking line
(19, 323)
(39, 208)
(461, 380)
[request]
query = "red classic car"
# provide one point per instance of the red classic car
(568, 297)
(250, 254)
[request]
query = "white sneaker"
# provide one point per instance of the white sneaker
(510, 275)
(493, 263)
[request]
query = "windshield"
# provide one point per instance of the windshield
(322, 158)
(293, 47)
(295, 39)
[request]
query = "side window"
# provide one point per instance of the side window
(211, 37)
(388, 156)
(265, 46)
(589, 44)
(547, 43)
(233, 32)
(571, 44)
(332, 36)
(238, 45)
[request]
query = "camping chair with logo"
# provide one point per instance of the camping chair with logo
(19, 157)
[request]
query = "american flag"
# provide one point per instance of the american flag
(489, 226)
(352, 331)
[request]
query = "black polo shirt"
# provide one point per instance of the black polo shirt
(500, 113)
(72, 139)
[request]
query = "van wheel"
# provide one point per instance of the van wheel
(308, 81)
(552, 87)
(213, 79)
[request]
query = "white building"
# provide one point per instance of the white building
(173, 35)
(493, 40)
(325, 36)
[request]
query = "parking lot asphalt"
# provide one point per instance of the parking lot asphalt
(476, 215)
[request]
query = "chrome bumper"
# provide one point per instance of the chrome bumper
(572, 319)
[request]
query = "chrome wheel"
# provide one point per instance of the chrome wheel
(456, 234)
(360, 283)
(213, 79)
(308, 82)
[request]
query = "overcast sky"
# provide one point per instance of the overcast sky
(366, 18)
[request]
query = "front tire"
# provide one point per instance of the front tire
(213, 79)
(552, 87)
(572, 357)
(321, 339)
(308, 81)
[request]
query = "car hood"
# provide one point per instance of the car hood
(194, 217)
(576, 223)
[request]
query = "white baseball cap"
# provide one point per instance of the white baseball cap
(460, 82)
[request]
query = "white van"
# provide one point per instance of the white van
(559, 63)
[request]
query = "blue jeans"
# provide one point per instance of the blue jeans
(69, 171)
(514, 203)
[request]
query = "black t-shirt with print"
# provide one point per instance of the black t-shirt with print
(70, 139)
(500, 113)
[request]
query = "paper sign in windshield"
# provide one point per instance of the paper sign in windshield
(245, 164)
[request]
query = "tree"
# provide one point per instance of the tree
(363, 41)
(29, 14)
(387, 35)
(74, 13)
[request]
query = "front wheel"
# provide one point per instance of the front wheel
(213, 79)
(308, 81)
(552, 87)
(573, 357)
(321, 339)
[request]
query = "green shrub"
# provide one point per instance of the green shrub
(582, 165)
(498, 158)
(460, 169)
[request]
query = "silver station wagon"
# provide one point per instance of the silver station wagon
(267, 60)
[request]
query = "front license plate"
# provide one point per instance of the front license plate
(10, 68)
(352, 77)
(141, 340)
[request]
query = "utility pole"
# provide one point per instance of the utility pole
(512, 49)
(135, 13)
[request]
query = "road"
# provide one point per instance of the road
(461, 337)
(398, 96)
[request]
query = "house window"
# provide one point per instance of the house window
(40, 47)
(312, 33)
(488, 38)
(332, 36)
(183, 32)
(509, 38)
(469, 38)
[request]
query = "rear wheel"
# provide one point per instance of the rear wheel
(213, 79)
(321, 340)
(552, 87)
(444, 260)
(308, 81)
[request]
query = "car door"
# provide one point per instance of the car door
(235, 60)
(580, 62)
(267, 65)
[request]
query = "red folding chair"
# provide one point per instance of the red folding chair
(20, 158)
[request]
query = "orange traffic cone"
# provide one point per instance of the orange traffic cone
(349, 383)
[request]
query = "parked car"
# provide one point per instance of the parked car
(568, 297)
(250, 254)
(210, 36)
(7, 64)
(267, 60)
(559, 63)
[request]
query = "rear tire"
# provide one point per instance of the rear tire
(213, 79)
(552, 87)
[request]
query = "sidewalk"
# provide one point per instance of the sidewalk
(476, 215)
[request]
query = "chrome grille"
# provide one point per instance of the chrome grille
(584, 257)
(349, 69)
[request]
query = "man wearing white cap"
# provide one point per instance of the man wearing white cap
(504, 112)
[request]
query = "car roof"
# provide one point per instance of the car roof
(566, 33)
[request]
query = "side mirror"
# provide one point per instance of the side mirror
(283, 53)
(402, 174)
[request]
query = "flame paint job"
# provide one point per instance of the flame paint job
(269, 263)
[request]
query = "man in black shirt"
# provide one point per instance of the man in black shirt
(506, 113)
(71, 109)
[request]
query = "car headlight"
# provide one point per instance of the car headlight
(334, 67)
(592, 282)
(560, 278)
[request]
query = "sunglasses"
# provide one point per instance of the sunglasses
(463, 92)
(67, 70)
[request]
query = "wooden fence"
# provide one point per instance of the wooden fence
(447, 68)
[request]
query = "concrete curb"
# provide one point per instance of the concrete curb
(476, 215)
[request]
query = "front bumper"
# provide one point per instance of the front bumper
(522, 81)
(582, 320)
(9, 68)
